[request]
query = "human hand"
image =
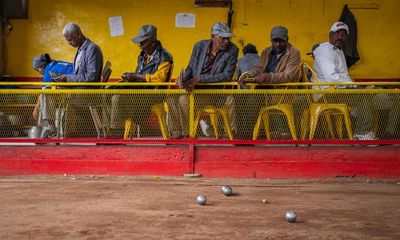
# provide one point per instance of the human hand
(261, 78)
(60, 78)
(129, 76)
(179, 82)
(242, 79)
(189, 85)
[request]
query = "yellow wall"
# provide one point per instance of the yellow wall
(308, 22)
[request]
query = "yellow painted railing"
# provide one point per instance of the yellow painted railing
(150, 110)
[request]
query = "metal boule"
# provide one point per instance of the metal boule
(226, 190)
(291, 216)
(201, 200)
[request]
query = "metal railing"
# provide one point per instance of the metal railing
(143, 111)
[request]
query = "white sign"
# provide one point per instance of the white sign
(116, 27)
(185, 20)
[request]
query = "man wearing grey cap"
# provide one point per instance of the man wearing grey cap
(154, 61)
(278, 63)
(154, 64)
(212, 60)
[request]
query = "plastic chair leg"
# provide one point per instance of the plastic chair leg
(196, 124)
(158, 109)
(304, 124)
(292, 126)
(328, 120)
(257, 125)
(227, 124)
(314, 116)
(339, 126)
(128, 129)
(214, 124)
(348, 124)
(265, 120)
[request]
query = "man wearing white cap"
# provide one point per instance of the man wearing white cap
(212, 60)
(330, 62)
(330, 66)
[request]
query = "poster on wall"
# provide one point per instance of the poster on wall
(185, 20)
(116, 26)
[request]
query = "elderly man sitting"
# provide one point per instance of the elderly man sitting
(212, 60)
(154, 64)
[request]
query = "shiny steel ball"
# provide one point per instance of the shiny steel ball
(226, 190)
(291, 216)
(201, 200)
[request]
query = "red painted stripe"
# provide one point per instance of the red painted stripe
(209, 161)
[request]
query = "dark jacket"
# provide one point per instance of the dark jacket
(223, 68)
(160, 55)
(350, 49)
(89, 68)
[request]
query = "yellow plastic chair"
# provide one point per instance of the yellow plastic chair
(128, 128)
(284, 107)
(263, 117)
(339, 111)
(99, 123)
(214, 113)
(160, 109)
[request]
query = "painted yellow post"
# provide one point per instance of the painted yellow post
(191, 115)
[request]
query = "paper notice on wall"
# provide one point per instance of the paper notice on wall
(186, 20)
(116, 27)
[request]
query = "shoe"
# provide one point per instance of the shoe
(205, 127)
(366, 136)
(48, 131)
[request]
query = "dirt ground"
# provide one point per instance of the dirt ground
(127, 207)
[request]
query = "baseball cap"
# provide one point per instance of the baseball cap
(145, 32)
(221, 29)
(279, 32)
(339, 26)
(40, 60)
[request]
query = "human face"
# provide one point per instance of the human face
(147, 45)
(338, 38)
(220, 43)
(74, 39)
(279, 45)
(39, 70)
